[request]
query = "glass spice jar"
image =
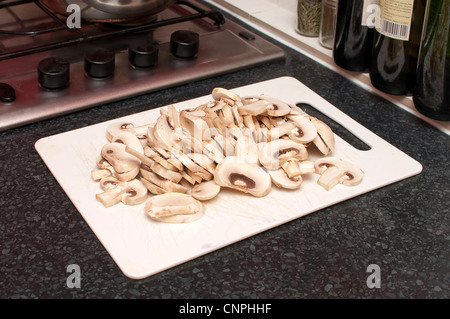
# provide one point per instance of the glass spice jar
(328, 23)
(308, 17)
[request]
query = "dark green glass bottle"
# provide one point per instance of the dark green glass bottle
(396, 48)
(352, 49)
(432, 93)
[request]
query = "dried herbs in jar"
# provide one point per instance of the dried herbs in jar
(308, 17)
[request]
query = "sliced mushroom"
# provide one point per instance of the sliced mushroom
(153, 188)
(239, 174)
(166, 173)
(273, 154)
(194, 123)
(187, 177)
(263, 135)
(156, 157)
(221, 93)
(215, 106)
(214, 151)
(145, 160)
(238, 120)
(130, 193)
(165, 184)
(173, 117)
(324, 140)
(227, 143)
(248, 122)
(175, 162)
(204, 161)
(117, 127)
(127, 176)
(214, 121)
(130, 140)
(164, 134)
(264, 120)
(254, 108)
(285, 128)
(196, 178)
(205, 191)
(282, 180)
(153, 144)
(192, 166)
(98, 174)
(276, 107)
(104, 169)
(335, 171)
(227, 115)
(103, 164)
(120, 159)
(187, 143)
(244, 144)
(304, 132)
(174, 208)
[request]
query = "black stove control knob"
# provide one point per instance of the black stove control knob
(184, 44)
(99, 63)
(53, 73)
(143, 54)
(7, 93)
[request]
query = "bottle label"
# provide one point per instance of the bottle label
(395, 18)
(371, 11)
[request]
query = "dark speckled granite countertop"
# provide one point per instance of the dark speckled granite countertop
(403, 228)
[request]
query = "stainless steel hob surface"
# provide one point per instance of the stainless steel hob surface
(33, 88)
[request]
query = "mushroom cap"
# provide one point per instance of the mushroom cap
(273, 154)
(237, 173)
(174, 208)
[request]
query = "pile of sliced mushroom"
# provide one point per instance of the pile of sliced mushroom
(243, 143)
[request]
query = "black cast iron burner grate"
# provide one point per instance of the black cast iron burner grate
(78, 35)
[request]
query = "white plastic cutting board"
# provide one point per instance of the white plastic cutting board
(142, 247)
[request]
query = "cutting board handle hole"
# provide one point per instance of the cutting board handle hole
(337, 128)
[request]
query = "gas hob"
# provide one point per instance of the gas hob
(47, 69)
